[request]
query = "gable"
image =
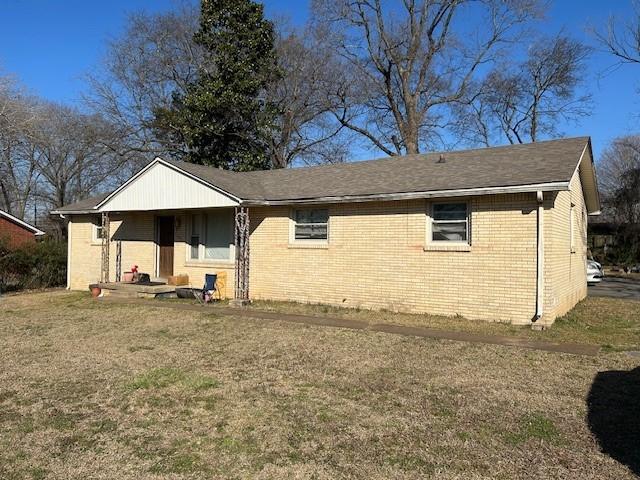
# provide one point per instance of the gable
(161, 186)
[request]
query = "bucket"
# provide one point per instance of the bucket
(95, 290)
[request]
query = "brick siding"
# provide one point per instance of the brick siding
(15, 234)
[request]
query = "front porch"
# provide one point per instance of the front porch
(186, 242)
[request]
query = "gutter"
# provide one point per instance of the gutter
(540, 258)
(538, 187)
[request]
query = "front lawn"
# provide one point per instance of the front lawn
(98, 390)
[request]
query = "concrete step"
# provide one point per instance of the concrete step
(120, 293)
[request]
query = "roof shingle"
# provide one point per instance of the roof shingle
(505, 166)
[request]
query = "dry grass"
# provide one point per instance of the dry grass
(612, 323)
(94, 390)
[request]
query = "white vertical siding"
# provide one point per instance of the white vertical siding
(163, 188)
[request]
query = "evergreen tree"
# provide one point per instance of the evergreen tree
(224, 120)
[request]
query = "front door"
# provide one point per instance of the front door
(165, 246)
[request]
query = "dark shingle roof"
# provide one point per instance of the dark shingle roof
(543, 162)
(512, 165)
(82, 206)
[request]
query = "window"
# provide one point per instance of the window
(211, 236)
(311, 224)
(450, 222)
(97, 230)
(572, 228)
(194, 242)
(219, 235)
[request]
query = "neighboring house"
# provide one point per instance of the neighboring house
(17, 232)
(495, 233)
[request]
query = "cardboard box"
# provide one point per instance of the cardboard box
(178, 280)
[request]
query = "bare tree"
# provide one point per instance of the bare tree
(619, 181)
(622, 38)
(526, 103)
(70, 155)
(409, 60)
(154, 59)
(17, 165)
(308, 130)
(619, 158)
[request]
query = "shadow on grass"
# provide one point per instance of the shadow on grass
(614, 415)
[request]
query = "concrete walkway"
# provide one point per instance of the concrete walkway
(572, 348)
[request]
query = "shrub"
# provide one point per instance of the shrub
(38, 265)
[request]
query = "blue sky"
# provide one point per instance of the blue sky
(49, 45)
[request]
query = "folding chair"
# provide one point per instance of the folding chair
(209, 288)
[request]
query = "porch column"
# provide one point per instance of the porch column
(241, 238)
(104, 270)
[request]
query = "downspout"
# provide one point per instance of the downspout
(540, 259)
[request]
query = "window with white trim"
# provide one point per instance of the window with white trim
(450, 222)
(210, 236)
(311, 224)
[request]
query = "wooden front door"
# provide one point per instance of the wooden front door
(165, 246)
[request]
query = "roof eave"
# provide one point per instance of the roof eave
(545, 187)
(73, 212)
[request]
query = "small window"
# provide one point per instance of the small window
(97, 230)
(450, 222)
(311, 224)
(194, 241)
(572, 228)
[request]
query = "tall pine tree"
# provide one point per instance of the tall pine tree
(224, 120)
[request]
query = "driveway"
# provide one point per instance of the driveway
(616, 288)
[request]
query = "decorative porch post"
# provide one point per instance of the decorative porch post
(241, 238)
(104, 271)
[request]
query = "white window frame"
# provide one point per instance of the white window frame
(308, 241)
(430, 220)
(202, 237)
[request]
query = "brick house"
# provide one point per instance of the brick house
(494, 234)
(17, 232)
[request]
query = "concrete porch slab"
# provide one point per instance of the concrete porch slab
(134, 290)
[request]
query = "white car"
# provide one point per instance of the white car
(594, 272)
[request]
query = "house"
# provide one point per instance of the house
(17, 232)
(495, 233)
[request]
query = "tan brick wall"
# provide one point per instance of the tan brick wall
(134, 231)
(566, 267)
(377, 257)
